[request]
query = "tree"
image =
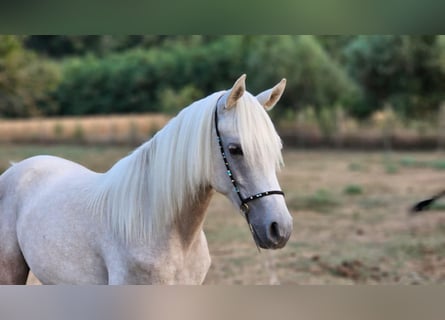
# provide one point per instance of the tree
(25, 80)
(141, 80)
(400, 70)
(64, 46)
(313, 77)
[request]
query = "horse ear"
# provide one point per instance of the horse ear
(236, 92)
(270, 97)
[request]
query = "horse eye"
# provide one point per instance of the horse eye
(235, 150)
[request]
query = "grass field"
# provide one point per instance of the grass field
(350, 218)
(94, 130)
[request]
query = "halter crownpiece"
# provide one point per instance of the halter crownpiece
(244, 207)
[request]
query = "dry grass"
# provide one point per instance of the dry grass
(340, 237)
(134, 129)
(115, 129)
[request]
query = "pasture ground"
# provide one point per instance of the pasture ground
(350, 218)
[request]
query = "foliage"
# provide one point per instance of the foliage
(400, 70)
(140, 73)
(353, 189)
(140, 80)
(57, 46)
(25, 80)
(410, 162)
(334, 45)
(148, 80)
(313, 77)
(321, 201)
(173, 100)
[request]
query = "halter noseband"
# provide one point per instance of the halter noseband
(244, 207)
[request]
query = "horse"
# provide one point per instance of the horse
(141, 222)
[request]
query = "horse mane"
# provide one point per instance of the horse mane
(146, 190)
(260, 142)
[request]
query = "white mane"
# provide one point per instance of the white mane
(144, 191)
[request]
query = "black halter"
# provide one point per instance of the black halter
(244, 207)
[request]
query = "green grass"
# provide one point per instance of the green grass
(321, 201)
(79, 133)
(439, 206)
(58, 130)
(372, 202)
(410, 162)
(438, 164)
(391, 167)
(353, 190)
(354, 166)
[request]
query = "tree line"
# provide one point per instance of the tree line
(79, 75)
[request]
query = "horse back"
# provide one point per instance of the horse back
(32, 173)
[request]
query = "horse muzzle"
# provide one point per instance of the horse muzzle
(272, 236)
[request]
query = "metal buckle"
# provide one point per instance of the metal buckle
(244, 207)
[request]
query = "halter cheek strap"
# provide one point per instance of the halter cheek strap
(244, 206)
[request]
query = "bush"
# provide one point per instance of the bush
(25, 80)
(353, 189)
(138, 80)
(404, 71)
(313, 78)
(144, 80)
(173, 100)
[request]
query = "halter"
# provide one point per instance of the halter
(244, 207)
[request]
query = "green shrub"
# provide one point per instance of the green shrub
(313, 77)
(439, 206)
(137, 80)
(439, 164)
(327, 122)
(58, 130)
(172, 100)
(25, 80)
(147, 80)
(353, 189)
(354, 166)
(391, 167)
(410, 162)
(404, 71)
(321, 201)
(79, 134)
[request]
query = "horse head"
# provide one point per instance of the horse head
(248, 154)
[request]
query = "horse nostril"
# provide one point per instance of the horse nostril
(274, 232)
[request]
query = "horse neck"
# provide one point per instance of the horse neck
(164, 180)
(190, 220)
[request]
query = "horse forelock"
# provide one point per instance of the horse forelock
(259, 140)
